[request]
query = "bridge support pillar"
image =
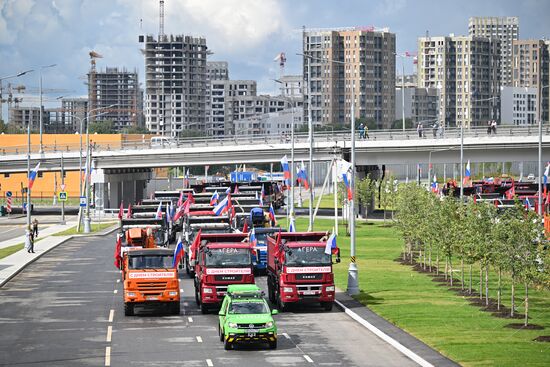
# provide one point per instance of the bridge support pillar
(122, 185)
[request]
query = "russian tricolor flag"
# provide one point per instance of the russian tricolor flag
(214, 199)
(159, 211)
(348, 186)
(252, 238)
(546, 173)
(292, 226)
(302, 176)
(286, 170)
(467, 174)
(178, 254)
(331, 244)
(222, 206)
(272, 215)
(434, 184)
(32, 175)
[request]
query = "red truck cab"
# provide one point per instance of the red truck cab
(299, 270)
(221, 259)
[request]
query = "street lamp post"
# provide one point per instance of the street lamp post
(353, 284)
(40, 112)
(539, 198)
(87, 220)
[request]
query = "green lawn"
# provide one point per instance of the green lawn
(326, 202)
(435, 314)
(7, 251)
(95, 227)
(47, 201)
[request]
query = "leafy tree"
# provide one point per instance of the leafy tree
(102, 127)
(398, 124)
(450, 219)
(365, 190)
(387, 197)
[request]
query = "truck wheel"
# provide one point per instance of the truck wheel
(221, 333)
(176, 307)
(327, 305)
(283, 306)
(128, 309)
(273, 345)
(187, 266)
(227, 345)
(204, 309)
(197, 297)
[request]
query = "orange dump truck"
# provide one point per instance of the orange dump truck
(150, 278)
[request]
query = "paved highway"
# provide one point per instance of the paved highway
(67, 309)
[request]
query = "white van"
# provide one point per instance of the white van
(162, 141)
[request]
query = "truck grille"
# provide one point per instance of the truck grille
(228, 278)
(251, 326)
(317, 276)
(151, 286)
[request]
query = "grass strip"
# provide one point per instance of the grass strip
(94, 227)
(7, 251)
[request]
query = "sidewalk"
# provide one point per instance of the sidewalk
(407, 344)
(45, 232)
(12, 265)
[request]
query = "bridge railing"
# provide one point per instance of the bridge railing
(238, 140)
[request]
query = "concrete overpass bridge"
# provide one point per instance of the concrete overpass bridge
(389, 147)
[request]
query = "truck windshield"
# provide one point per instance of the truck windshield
(307, 256)
(150, 262)
(248, 308)
(225, 257)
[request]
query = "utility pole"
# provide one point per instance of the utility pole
(62, 189)
(353, 284)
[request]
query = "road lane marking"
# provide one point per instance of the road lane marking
(186, 304)
(286, 335)
(190, 319)
(115, 291)
(379, 333)
(209, 363)
(181, 290)
(109, 333)
(111, 315)
(118, 280)
(308, 359)
(107, 356)
(199, 339)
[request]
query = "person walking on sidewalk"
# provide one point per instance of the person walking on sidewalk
(29, 241)
(35, 228)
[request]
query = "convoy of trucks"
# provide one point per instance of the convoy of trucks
(220, 250)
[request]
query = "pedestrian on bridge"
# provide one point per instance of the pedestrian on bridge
(494, 126)
(420, 130)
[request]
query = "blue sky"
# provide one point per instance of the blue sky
(246, 33)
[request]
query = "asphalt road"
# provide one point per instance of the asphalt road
(66, 309)
(8, 232)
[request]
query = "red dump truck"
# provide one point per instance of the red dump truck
(221, 259)
(299, 270)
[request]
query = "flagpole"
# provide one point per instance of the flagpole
(28, 175)
(353, 284)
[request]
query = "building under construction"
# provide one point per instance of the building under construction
(175, 84)
(118, 88)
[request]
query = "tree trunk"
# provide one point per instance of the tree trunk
(513, 294)
(526, 304)
(446, 267)
(480, 281)
(430, 259)
(437, 262)
(470, 286)
(487, 285)
(462, 273)
(451, 269)
(499, 288)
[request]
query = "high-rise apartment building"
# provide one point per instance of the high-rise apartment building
(118, 88)
(465, 70)
(530, 69)
(506, 30)
(217, 70)
(365, 62)
(175, 84)
(291, 86)
(223, 92)
(74, 112)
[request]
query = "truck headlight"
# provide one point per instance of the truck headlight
(269, 324)
(172, 293)
(287, 289)
(131, 294)
(232, 325)
(330, 288)
(207, 290)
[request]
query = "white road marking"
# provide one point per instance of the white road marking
(109, 333)
(308, 359)
(118, 280)
(181, 290)
(186, 304)
(115, 291)
(190, 319)
(209, 363)
(111, 315)
(199, 339)
(107, 356)
(385, 337)
(286, 335)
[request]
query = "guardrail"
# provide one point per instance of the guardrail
(337, 135)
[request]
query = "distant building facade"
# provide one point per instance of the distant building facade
(272, 123)
(519, 106)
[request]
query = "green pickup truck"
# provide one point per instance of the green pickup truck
(245, 317)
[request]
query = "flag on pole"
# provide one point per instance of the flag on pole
(292, 226)
(245, 226)
(118, 247)
(348, 185)
(121, 211)
(286, 170)
(190, 198)
(228, 191)
(331, 244)
(215, 198)
(159, 211)
(168, 214)
(186, 179)
(32, 175)
(180, 200)
(302, 176)
(195, 245)
(252, 238)
(434, 184)
(222, 206)
(178, 254)
(467, 174)
(272, 215)
(342, 168)
(129, 214)
(236, 190)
